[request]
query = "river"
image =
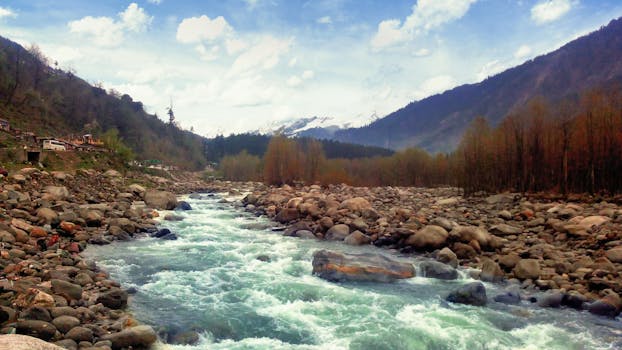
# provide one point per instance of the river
(241, 286)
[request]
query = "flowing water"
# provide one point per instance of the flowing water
(211, 281)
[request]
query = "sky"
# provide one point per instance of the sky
(230, 66)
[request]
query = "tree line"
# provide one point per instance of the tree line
(571, 146)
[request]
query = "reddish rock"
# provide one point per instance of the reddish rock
(38, 232)
(68, 227)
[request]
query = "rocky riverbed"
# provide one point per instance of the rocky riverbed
(47, 290)
(569, 250)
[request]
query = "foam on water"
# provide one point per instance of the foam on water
(210, 281)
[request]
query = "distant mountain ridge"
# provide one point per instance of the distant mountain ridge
(436, 123)
(318, 127)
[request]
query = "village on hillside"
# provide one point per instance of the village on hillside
(31, 148)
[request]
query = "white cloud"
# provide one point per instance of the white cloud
(550, 10)
(389, 33)
(206, 54)
(295, 81)
(235, 45)
(264, 55)
(491, 68)
(422, 52)
(434, 85)
(135, 18)
(251, 4)
(198, 29)
(308, 74)
(105, 31)
(324, 20)
(6, 12)
(293, 62)
(522, 52)
(62, 53)
(426, 15)
(155, 2)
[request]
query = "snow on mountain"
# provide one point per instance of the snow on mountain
(320, 127)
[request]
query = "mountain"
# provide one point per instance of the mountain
(48, 101)
(317, 127)
(436, 123)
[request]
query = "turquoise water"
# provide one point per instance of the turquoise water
(210, 281)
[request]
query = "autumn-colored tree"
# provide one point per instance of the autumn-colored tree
(477, 154)
(241, 167)
(314, 160)
(282, 161)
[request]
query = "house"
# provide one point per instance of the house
(52, 144)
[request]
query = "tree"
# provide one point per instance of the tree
(314, 159)
(171, 114)
(282, 161)
(114, 143)
(241, 167)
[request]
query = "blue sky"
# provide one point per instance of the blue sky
(238, 65)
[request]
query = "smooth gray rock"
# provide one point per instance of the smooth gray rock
(471, 294)
(434, 269)
(336, 266)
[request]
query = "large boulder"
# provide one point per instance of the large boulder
(447, 256)
(338, 232)
(355, 204)
(595, 220)
(115, 298)
(65, 323)
(286, 215)
(183, 205)
(139, 337)
(47, 216)
(434, 269)
(527, 269)
(466, 234)
(471, 294)
(609, 305)
(38, 329)
(136, 189)
(57, 193)
(24, 342)
(160, 200)
(66, 289)
(357, 238)
(112, 173)
(505, 230)
(491, 271)
(501, 198)
(615, 254)
(428, 238)
(552, 298)
(79, 334)
(375, 267)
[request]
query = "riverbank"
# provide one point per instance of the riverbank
(47, 290)
(571, 250)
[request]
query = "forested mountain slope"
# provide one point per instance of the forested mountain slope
(438, 122)
(37, 97)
